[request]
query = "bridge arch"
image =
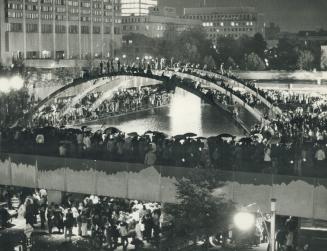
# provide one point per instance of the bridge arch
(82, 88)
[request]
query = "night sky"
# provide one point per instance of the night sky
(291, 15)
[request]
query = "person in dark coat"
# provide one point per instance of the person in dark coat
(69, 223)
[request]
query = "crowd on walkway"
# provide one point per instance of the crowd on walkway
(104, 221)
(112, 104)
(279, 148)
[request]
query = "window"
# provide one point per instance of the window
(46, 28)
(107, 30)
(85, 29)
(31, 28)
(47, 16)
(15, 14)
(59, 17)
(73, 18)
(46, 8)
(85, 4)
(60, 2)
(60, 28)
(32, 15)
(96, 30)
(31, 7)
(16, 27)
(73, 29)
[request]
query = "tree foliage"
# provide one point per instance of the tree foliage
(305, 60)
(253, 62)
(199, 214)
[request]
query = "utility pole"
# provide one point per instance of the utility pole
(113, 29)
(272, 224)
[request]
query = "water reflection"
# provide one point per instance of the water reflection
(185, 114)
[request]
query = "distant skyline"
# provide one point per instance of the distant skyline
(290, 15)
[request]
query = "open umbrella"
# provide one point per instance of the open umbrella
(201, 138)
(112, 130)
(245, 140)
(225, 135)
(179, 137)
(132, 134)
(189, 134)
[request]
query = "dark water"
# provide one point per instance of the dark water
(186, 113)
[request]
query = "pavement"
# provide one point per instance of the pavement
(42, 240)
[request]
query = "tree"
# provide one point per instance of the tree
(323, 58)
(259, 45)
(210, 62)
(253, 62)
(200, 214)
(305, 60)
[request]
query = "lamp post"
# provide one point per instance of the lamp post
(272, 224)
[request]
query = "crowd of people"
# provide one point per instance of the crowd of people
(279, 148)
(118, 102)
(105, 221)
(293, 142)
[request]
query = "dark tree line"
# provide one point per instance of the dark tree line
(243, 53)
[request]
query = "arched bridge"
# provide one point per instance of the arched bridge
(206, 90)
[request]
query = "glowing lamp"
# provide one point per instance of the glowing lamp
(244, 221)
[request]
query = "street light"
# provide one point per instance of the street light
(7, 84)
(272, 224)
(244, 220)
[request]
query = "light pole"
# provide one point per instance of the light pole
(272, 224)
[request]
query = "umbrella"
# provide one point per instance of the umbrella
(245, 140)
(179, 137)
(73, 130)
(160, 134)
(189, 134)
(133, 134)
(225, 135)
(201, 138)
(149, 132)
(112, 130)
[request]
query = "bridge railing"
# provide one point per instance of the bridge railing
(238, 83)
(297, 196)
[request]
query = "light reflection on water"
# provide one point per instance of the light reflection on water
(185, 114)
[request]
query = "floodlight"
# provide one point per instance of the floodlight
(244, 221)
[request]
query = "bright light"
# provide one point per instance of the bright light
(124, 56)
(116, 59)
(244, 221)
(14, 83)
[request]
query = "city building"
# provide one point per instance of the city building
(137, 7)
(161, 21)
(58, 29)
(227, 21)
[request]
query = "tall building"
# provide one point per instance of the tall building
(161, 21)
(137, 7)
(227, 21)
(58, 29)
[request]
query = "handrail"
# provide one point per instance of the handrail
(258, 95)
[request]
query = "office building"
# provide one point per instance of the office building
(137, 7)
(59, 29)
(160, 22)
(227, 21)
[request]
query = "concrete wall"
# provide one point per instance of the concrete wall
(297, 196)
